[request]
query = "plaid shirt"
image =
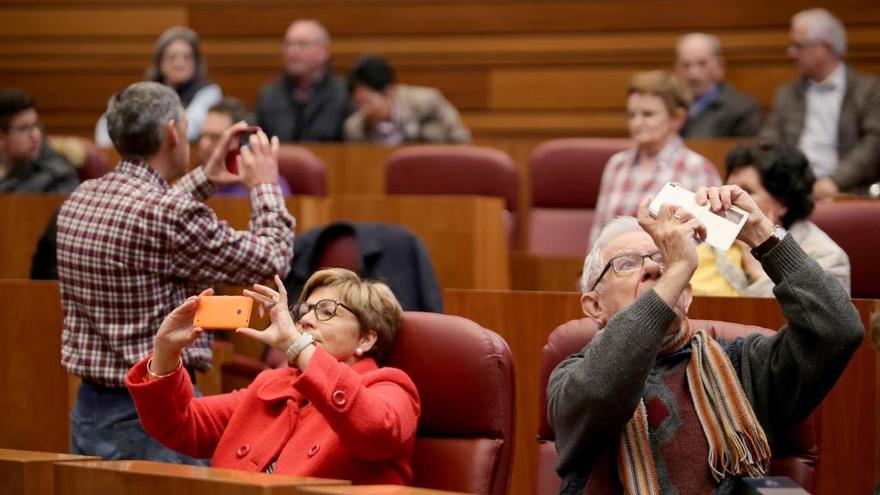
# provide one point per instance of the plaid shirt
(625, 183)
(131, 248)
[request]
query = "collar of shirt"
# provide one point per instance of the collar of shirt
(141, 171)
(666, 154)
(704, 101)
(835, 81)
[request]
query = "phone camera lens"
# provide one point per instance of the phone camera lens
(238, 312)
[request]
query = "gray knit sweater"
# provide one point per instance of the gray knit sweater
(592, 394)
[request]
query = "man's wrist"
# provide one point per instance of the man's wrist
(756, 236)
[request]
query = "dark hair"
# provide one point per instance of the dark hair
(12, 101)
(371, 71)
(171, 34)
(785, 173)
(235, 109)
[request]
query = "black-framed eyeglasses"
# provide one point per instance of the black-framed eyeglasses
(629, 262)
(324, 309)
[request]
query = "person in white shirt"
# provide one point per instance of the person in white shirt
(832, 113)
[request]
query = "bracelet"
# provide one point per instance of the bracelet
(154, 375)
(298, 346)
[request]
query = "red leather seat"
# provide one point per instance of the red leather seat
(90, 162)
(464, 374)
(796, 458)
(566, 174)
(304, 171)
(456, 170)
(855, 226)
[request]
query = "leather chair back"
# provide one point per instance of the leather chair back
(464, 374)
(566, 174)
(855, 226)
(304, 171)
(795, 457)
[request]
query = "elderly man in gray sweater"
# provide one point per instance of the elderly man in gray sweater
(653, 404)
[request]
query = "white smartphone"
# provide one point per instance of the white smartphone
(721, 227)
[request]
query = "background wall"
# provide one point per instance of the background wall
(513, 67)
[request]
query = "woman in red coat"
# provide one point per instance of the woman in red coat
(334, 413)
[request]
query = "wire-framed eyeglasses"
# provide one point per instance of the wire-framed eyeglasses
(324, 309)
(629, 262)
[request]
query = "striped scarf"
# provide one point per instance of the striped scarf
(737, 444)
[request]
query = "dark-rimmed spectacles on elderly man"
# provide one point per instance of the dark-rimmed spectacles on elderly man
(627, 263)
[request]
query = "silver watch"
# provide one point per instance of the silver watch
(298, 345)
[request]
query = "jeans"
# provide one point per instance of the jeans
(104, 422)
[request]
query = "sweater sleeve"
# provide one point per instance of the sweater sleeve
(169, 412)
(374, 414)
(787, 375)
(593, 394)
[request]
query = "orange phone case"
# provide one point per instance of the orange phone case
(223, 312)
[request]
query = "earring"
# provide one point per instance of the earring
(359, 352)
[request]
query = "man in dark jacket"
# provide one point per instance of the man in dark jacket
(719, 110)
(308, 102)
(653, 404)
(27, 164)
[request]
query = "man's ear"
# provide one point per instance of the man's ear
(368, 340)
(591, 307)
(172, 136)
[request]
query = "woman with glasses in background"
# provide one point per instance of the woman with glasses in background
(333, 413)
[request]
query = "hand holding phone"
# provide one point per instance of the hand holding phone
(722, 227)
(223, 312)
(239, 139)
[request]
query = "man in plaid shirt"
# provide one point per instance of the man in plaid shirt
(131, 248)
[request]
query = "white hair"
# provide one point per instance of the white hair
(710, 39)
(823, 26)
(323, 36)
(593, 263)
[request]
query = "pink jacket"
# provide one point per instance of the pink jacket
(332, 421)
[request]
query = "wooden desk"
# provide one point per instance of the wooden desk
(370, 490)
(848, 422)
(151, 478)
(25, 472)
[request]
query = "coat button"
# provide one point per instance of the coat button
(339, 398)
(314, 450)
(243, 450)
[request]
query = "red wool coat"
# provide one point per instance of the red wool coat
(332, 421)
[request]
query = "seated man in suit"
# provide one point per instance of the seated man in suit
(391, 113)
(832, 113)
(27, 164)
(652, 404)
(718, 110)
(307, 102)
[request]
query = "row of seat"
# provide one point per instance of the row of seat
(565, 178)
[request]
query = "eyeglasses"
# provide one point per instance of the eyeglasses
(324, 309)
(25, 128)
(800, 45)
(629, 262)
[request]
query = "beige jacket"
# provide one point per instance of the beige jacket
(420, 113)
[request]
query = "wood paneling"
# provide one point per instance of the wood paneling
(146, 477)
(513, 67)
(24, 472)
(23, 218)
(849, 430)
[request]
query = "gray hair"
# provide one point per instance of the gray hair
(323, 34)
(171, 34)
(136, 117)
(712, 40)
(593, 263)
(823, 26)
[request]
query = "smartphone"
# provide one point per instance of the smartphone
(223, 312)
(240, 139)
(722, 227)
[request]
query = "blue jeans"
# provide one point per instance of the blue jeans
(104, 422)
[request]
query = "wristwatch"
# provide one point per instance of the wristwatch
(775, 238)
(298, 346)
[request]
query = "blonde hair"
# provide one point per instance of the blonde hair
(373, 303)
(664, 85)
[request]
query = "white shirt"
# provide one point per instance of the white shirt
(819, 137)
